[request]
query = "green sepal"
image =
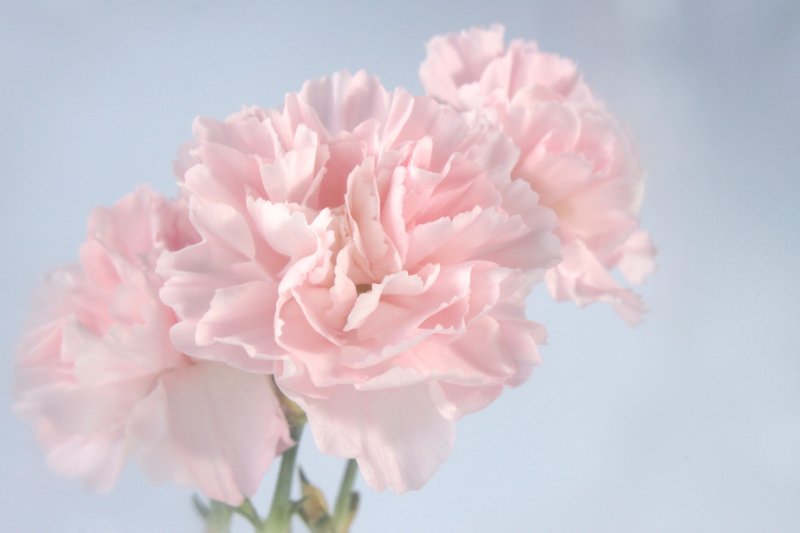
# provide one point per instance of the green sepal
(201, 507)
(219, 517)
(313, 508)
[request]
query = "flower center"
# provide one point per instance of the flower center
(361, 288)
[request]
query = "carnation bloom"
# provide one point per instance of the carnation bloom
(574, 154)
(101, 381)
(371, 251)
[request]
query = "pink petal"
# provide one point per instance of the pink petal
(458, 60)
(397, 435)
(225, 427)
(638, 257)
(582, 278)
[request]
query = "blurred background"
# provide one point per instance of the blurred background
(688, 423)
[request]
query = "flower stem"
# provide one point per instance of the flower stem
(280, 512)
(343, 512)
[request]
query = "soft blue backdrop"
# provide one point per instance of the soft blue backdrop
(688, 423)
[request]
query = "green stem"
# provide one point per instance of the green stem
(280, 512)
(249, 512)
(343, 500)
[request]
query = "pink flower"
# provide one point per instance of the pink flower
(573, 153)
(371, 251)
(101, 381)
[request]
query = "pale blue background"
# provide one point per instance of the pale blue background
(689, 423)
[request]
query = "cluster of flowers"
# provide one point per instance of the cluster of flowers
(366, 252)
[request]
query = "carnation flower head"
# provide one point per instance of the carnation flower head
(100, 380)
(574, 154)
(370, 249)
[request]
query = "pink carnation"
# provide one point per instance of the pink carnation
(101, 381)
(371, 251)
(573, 153)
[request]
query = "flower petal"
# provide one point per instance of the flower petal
(397, 435)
